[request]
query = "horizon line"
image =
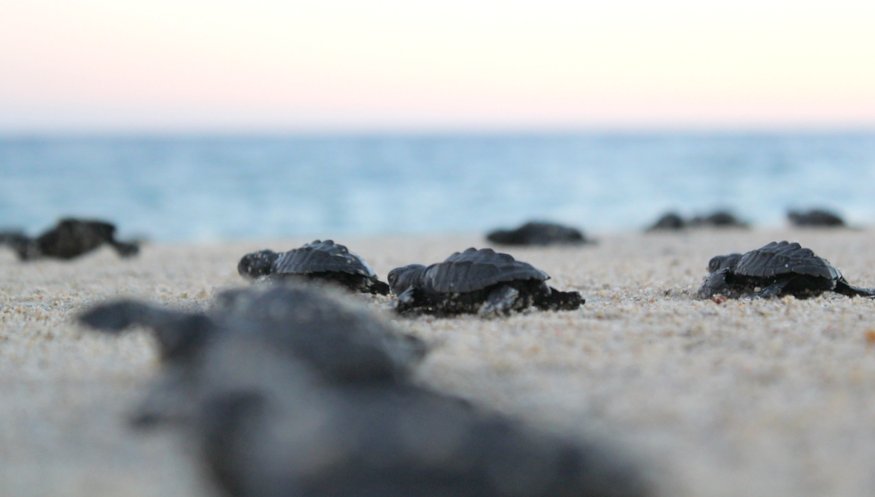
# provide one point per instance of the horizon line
(413, 131)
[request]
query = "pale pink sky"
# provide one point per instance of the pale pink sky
(375, 64)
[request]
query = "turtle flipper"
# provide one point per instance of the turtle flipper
(120, 315)
(500, 302)
(845, 288)
(377, 287)
(25, 248)
(773, 290)
(557, 300)
(177, 332)
(167, 401)
(406, 301)
(125, 249)
(715, 283)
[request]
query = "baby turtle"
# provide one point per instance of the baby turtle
(718, 219)
(69, 239)
(668, 221)
(324, 261)
(286, 390)
(340, 338)
(815, 218)
(774, 270)
(538, 233)
(392, 441)
(477, 281)
(672, 221)
(337, 339)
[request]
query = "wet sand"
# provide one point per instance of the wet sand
(771, 398)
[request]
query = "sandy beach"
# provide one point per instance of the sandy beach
(755, 398)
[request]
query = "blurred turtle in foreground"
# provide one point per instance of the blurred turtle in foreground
(341, 340)
(301, 438)
(288, 391)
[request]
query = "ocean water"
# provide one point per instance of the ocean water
(265, 187)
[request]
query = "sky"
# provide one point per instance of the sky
(121, 65)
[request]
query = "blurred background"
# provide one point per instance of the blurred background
(204, 121)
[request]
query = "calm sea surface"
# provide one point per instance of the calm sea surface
(198, 189)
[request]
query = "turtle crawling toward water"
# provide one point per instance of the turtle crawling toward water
(776, 270)
(538, 233)
(284, 390)
(672, 221)
(306, 439)
(325, 261)
(67, 240)
(816, 218)
(248, 330)
(481, 281)
(668, 222)
(717, 219)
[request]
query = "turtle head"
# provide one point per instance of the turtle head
(256, 264)
(503, 236)
(720, 262)
(26, 248)
(402, 278)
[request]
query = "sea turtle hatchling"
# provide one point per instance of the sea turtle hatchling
(311, 323)
(816, 218)
(717, 219)
(775, 270)
(340, 340)
(477, 281)
(298, 437)
(668, 221)
(672, 221)
(538, 233)
(69, 239)
(291, 392)
(318, 260)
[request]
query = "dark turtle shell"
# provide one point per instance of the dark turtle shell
(69, 239)
(476, 281)
(321, 261)
(668, 221)
(474, 270)
(784, 258)
(391, 441)
(294, 328)
(718, 219)
(815, 217)
(321, 257)
(538, 233)
(774, 270)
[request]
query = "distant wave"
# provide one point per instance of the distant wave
(190, 189)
